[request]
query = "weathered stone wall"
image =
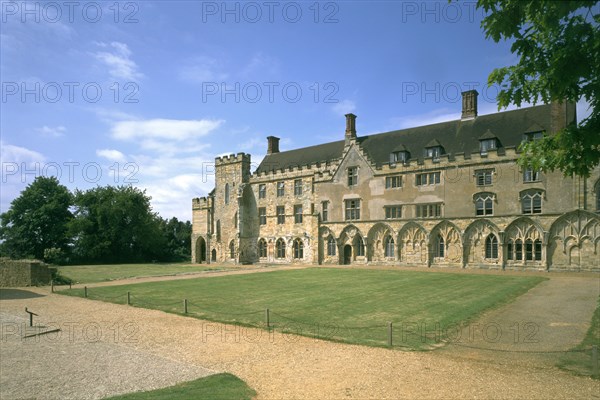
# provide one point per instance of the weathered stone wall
(565, 235)
(19, 273)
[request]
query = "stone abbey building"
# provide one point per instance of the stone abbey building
(448, 194)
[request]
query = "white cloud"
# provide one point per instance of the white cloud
(203, 69)
(344, 107)
(169, 129)
(17, 154)
(262, 64)
(111, 155)
(20, 166)
(52, 132)
(118, 60)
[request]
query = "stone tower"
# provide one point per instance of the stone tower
(232, 174)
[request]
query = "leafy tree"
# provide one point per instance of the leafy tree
(558, 43)
(37, 220)
(177, 235)
(114, 225)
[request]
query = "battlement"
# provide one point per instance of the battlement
(200, 203)
(232, 158)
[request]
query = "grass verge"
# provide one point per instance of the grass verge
(353, 306)
(580, 360)
(110, 272)
(213, 387)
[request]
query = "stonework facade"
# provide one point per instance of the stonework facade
(446, 195)
(20, 273)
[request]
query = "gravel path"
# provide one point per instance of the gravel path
(81, 361)
(280, 366)
(554, 316)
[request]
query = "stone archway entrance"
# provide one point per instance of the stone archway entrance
(213, 255)
(347, 254)
(200, 250)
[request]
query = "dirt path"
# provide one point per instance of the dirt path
(554, 316)
(188, 275)
(282, 366)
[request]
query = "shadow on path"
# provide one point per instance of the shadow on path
(18, 294)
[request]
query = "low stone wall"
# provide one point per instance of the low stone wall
(18, 273)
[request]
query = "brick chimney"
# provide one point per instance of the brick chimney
(273, 145)
(469, 104)
(350, 126)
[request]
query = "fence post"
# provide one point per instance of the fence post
(267, 318)
(595, 360)
(390, 330)
(128, 298)
(185, 306)
(85, 291)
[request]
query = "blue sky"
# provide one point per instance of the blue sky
(149, 92)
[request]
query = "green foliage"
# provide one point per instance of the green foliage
(178, 236)
(37, 220)
(558, 44)
(60, 279)
(214, 387)
(115, 224)
(348, 305)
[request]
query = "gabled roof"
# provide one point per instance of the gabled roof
(433, 143)
(400, 147)
(487, 135)
(455, 136)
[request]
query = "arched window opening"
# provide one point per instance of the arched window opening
(389, 246)
(528, 250)
(360, 247)
(509, 250)
(262, 248)
(439, 247)
(491, 246)
(331, 246)
(227, 193)
(280, 246)
(518, 250)
(298, 249)
(537, 249)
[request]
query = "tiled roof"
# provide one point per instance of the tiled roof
(455, 136)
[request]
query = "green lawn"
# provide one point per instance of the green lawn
(100, 273)
(580, 360)
(352, 305)
(214, 387)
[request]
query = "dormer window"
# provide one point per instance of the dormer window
(533, 136)
(488, 141)
(434, 150)
(534, 132)
(486, 145)
(398, 157)
(400, 154)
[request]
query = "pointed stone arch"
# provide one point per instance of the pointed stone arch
(324, 257)
(475, 242)
(446, 238)
(524, 243)
(200, 253)
(348, 237)
(412, 243)
(574, 242)
(376, 239)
